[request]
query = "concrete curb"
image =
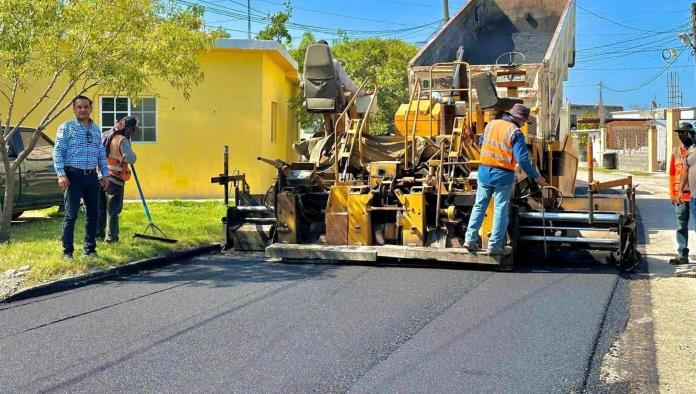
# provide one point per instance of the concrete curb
(114, 272)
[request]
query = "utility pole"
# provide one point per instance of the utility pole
(445, 10)
(600, 108)
(249, 19)
(602, 126)
(693, 23)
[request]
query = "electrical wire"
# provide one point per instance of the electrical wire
(616, 22)
(259, 17)
(642, 37)
(631, 49)
(409, 3)
(294, 7)
(627, 68)
(650, 80)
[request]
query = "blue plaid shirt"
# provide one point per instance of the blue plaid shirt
(79, 147)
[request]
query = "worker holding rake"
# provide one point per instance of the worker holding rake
(119, 155)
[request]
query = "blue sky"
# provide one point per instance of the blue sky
(619, 42)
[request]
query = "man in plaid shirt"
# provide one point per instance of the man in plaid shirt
(77, 156)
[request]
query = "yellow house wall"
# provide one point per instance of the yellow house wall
(278, 88)
(231, 107)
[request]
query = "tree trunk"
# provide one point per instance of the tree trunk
(8, 201)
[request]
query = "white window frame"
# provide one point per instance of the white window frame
(138, 115)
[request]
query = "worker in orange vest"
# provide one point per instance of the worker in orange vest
(119, 155)
(502, 148)
(685, 132)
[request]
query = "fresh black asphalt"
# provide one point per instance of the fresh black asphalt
(236, 323)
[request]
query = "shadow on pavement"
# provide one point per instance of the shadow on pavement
(230, 269)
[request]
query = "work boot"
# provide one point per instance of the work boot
(496, 250)
(471, 246)
(679, 260)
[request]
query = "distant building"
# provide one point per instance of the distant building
(578, 110)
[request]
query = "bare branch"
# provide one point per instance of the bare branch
(48, 119)
(38, 102)
(6, 96)
(11, 102)
(51, 116)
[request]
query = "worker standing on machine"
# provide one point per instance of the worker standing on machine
(503, 147)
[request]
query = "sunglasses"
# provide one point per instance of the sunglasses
(89, 137)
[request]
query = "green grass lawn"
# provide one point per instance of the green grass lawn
(35, 238)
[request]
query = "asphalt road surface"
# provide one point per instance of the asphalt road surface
(226, 323)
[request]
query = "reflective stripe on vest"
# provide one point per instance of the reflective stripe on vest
(117, 167)
(496, 150)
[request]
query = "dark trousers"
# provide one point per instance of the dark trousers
(110, 206)
(83, 186)
(682, 210)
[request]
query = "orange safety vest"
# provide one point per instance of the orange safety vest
(496, 150)
(676, 167)
(117, 167)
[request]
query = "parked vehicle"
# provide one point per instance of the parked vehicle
(36, 186)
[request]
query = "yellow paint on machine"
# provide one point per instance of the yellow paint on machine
(413, 220)
(242, 103)
(359, 223)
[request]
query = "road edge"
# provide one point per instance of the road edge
(130, 268)
(626, 346)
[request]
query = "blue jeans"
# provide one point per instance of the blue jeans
(683, 212)
(86, 187)
(501, 204)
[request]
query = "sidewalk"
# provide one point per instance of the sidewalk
(673, 299)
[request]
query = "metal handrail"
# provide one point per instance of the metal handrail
(468, 89)
(352, 100)
(359, 135)
(417, 89)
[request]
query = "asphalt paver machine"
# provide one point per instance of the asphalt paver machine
(361, 197)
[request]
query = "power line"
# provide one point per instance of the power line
(409, 3)
(634, 21)
(294, 7)
(650, 80)
(259, 17)
(626, 68)
(619, 54)
(643, 37)
(615, 22)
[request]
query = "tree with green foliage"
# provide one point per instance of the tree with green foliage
(276, 28)
(67, 48)
(307, 121)
(386, 60)
(219, 32)
(588, 126)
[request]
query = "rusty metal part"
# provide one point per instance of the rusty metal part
(597, 186)
(287, 227)
(590, 181)
(337, 216)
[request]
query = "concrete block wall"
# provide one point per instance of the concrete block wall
(634, 160)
